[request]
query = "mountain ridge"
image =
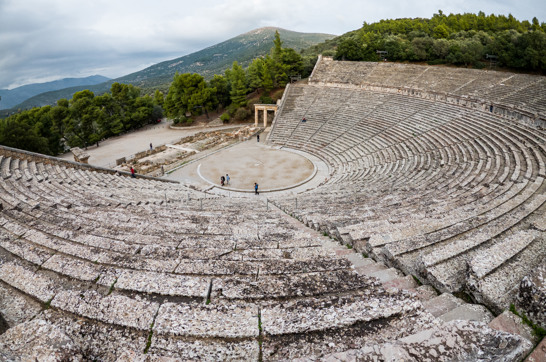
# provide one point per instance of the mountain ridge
(207, 62)
(14, 96)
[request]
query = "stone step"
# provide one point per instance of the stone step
(511, 323)
(442, 304)
(386, 275)
(469, 312)
(539, 353)
(425, 293)
(458, 340)
(328, 312)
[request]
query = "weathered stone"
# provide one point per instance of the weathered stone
(38, 340)
(212, 320)
(531, 297)
(539, 353)
(15, 308)
(442, 304)
(468, 312)
(115, 309)
(511, 323)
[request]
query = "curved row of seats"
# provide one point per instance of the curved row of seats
(430, 188)
(523, 91)
(99, 266)
(106, 260)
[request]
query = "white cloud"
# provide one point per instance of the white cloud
(51, 39)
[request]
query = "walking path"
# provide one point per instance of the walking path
(128, 144)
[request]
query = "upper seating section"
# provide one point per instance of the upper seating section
(522, 91)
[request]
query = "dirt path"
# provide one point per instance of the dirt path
(128, 144)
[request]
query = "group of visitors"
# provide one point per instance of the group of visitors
(224, 180)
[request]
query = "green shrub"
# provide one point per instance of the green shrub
(241, 114)
(225, 117)
(437, 61)
(265, 99)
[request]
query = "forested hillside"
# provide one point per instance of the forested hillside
(83, 120)
(458, 39)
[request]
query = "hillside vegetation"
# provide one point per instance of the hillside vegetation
(88, 118)
(458, 39)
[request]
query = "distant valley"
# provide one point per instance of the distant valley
(13, 97)
(207, 62)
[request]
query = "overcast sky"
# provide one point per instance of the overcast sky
(43, 40)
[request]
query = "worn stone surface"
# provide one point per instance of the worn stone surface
(25, 280)
(162, 283)
(454, 341)
(38, 340)
(531, 297)
(318, 314)
(16, 308)
(297, 285)
(205, 350)
(511, 323)
(468, 312)
(212, 320)
(114, 309)
(442, 304)
(539, 353)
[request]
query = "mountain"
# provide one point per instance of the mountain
(219, 57)
(207, 62)
(12, 97)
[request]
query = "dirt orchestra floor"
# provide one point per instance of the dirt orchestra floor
(246, 163)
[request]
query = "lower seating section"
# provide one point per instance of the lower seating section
(95, 266)
(447, 194)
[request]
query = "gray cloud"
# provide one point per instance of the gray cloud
(42, 40)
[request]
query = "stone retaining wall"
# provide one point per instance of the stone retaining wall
(50, 160)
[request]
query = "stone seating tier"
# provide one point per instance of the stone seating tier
(475, 174)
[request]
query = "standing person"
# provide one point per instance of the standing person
(133, 172)
(222, 180)
(258, 137)
(151, 147)
(256, 188)
(227, 179)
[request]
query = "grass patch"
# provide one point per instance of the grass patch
(349, 246)
(537, 330)
(149, 341)
(112, 287)
(417, 280)
(464, 296)
(47, 305)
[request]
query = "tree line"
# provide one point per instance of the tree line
(458, 39)
(190, 95)
(84, 120)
